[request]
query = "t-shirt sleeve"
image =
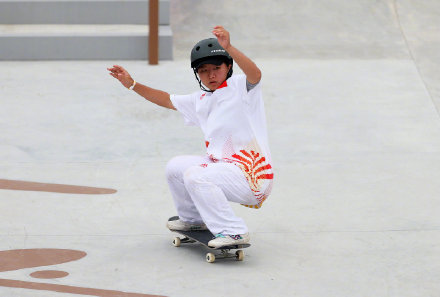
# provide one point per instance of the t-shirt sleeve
(250, 93)
(185, 104)
(250, 86)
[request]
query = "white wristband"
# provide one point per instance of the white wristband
(132, 86)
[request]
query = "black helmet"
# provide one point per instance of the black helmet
(209, 51)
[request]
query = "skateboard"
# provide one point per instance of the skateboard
(203, 237)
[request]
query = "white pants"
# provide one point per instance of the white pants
(202, 189)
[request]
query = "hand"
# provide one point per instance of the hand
(122, 75)
(222, 36)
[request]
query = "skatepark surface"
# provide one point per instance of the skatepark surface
(352, 96)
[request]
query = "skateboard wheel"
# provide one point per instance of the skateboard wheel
(239, 255)
(176, 241)
(210, 258)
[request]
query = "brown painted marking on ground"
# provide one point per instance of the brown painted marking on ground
(27, 258)
(19, 185)
(49, 274)
(10, 283)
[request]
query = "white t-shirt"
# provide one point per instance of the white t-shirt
(233, 122)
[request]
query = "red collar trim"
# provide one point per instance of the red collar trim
(223, 85)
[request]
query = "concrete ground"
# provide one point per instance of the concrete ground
(352, 101)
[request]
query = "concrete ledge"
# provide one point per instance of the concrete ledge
(55, 30)
(80, 12)
(54, 42)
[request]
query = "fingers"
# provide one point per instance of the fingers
(118, 72)
(222, 36)
(114, 73)
(121, 74)
(219, 31)
(116, 69)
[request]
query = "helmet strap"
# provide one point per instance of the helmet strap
(202, 87)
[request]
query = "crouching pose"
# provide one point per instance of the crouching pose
(230, 112)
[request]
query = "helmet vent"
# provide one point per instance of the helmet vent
(210, 45)
(197, 48)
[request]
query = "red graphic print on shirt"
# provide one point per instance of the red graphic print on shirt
(257, 171)
(254, 167)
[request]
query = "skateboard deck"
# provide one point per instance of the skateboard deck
(203, 237)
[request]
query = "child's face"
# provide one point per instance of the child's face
(212, 76)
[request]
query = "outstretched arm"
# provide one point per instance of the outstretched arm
(158, 97)
(250, 69)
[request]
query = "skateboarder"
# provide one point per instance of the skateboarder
(230, 112)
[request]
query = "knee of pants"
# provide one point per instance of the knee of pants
(194, 175)
(173, 169)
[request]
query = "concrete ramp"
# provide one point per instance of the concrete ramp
(351, 96)
(420, 25)
(296, 29)
(384, 29)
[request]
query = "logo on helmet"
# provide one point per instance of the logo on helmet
(218, 51)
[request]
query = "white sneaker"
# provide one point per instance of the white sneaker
(178, 225)
(225, 240)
